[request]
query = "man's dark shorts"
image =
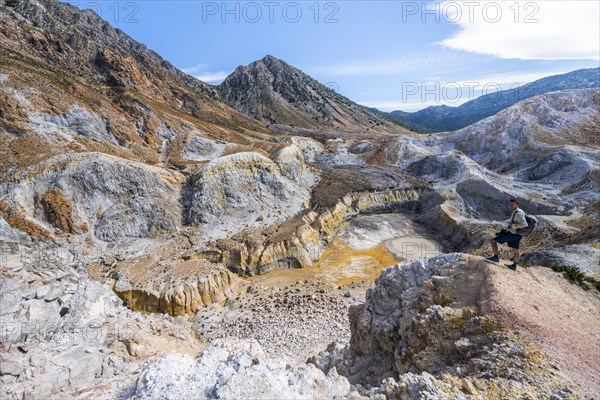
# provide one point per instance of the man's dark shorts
(511, 239)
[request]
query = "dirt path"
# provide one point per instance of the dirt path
(562, 318)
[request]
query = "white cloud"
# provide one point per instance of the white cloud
(388, 66)
(212, 77)
(200, 72)
(194, 70)
(539, 30)
(512, 78)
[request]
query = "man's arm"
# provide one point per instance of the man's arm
(518, 222)
(508, 223)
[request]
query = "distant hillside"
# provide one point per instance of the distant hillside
(444, 118)
(273, 92)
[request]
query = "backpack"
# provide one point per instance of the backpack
(531, 225)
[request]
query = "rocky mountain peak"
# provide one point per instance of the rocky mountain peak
(271, 61)
(274, 92)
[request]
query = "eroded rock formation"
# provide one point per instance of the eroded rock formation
(99, 195)
(428, 330)
(242, 190)
(301, 241)
(64, 334)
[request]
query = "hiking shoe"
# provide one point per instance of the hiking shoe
(512, 266)
(494, 258)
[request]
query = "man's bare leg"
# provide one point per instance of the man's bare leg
(495, 247)
(516, 255)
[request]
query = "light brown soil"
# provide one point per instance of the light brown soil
(562, 318)
(15, 217)
(58, 210)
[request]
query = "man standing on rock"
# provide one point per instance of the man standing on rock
(510, 234)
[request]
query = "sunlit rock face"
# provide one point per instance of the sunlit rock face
(240, 191)
(535, 134)
(236, 369)
(433, 328)
(96, 194)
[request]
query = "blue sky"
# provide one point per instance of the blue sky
(387, 54)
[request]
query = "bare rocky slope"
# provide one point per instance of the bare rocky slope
(274, 92)
(140, 215)
(440, 328)
(120, 98)
(445, 328)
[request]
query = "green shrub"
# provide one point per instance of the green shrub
(576, 277)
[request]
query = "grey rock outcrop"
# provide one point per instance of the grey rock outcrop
(98, 194)
(232, 369)
(202, 149)
(290, 160)
(83, 122)
(64, 334)
(484, 201)
(585, 257)
(419, 321)
(10, 234)
(242, 190)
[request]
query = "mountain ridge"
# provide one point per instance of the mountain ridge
(61, 65)
(446, 118)
(275, 92)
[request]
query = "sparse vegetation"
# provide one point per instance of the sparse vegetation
(575, 276)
